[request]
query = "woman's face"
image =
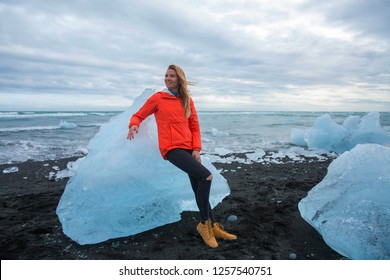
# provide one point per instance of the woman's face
(171, 80)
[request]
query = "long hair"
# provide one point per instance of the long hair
(184, 93)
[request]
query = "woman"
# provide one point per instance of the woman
(180, 143)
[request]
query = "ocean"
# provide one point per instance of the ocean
(53, 135)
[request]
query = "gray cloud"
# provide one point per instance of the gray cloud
(255, 49)
(364, 17)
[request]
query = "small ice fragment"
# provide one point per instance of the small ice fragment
(217, 133)
(66, 125)
(12, 169)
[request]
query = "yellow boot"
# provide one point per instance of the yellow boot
(219, 232)
(206, 231)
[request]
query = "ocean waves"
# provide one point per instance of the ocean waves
(47, 135)
(61, 125)
(38, 150)
(53, 135)
(31, 115)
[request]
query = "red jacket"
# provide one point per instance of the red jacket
(174, 129)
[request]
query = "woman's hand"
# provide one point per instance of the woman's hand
(133, 129)
(196, 155)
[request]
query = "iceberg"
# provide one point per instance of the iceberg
(124, 187)
(350, 208)
(329, 136)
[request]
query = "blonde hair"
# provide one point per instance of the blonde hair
(184, 93)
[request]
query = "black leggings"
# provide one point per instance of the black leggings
(198, 175)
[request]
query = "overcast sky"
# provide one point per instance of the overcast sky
(243, 55)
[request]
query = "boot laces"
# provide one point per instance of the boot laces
(219, 226)
(210, 232)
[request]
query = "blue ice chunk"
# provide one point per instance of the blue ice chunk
(327, 135)
(350, 208)
(124, 187)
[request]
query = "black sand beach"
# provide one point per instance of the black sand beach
(263, 197)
